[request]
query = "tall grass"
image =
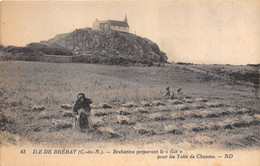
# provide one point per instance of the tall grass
(51, 84)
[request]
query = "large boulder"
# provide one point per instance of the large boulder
(107, 47)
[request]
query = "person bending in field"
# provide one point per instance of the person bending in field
(180, 91)
(167, 94)
(81, 111)
(172, 96)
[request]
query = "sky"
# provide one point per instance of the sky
(204, 32)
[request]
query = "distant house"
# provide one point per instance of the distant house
(111, 24)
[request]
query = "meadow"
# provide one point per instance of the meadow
(212, 112)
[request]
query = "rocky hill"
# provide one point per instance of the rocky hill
(107, 47)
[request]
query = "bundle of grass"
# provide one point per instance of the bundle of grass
(212, 114)
(59, 125)
(200, 107)
(145, 104)
(223, 124)
(104, 106)
(97, 121)
(123, 120)
(210, 125)
(177, 116)
(201, 113)
(162, 108)
(220, 111)
(157, 116)
(197, 105)
(66, 106)
(242, 111)
(129, 105)
(231, 110)
(141, 110)
(188, 100)
(172, 129)
(67, 114)
(93, 106)
(192, 113)
(234, 110)
(143, 130)
(38, 108)
(201, 99)
(228, 123)
(248, 118)
(193, 127)
(100, 112)
(199, 128)
(181, 107)
(189, 126)
(157, 103)
(257, 116)
(214, 104)
(175, 102)
(185, 144)
(180, 97)
(123, 111)
(44, 115)
(108, 132)
(202, 139)
(244, 121)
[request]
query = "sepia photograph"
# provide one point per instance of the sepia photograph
(130, 82)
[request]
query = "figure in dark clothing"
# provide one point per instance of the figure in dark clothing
(81, 111)
(167, 94)
(82, 103)
(172, 96)
(180, 91)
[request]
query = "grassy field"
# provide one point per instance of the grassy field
(212, 112)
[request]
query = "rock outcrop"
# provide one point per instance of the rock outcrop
(108, 47)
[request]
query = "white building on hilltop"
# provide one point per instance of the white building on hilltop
(111, 24)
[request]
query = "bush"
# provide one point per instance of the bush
(49, 50)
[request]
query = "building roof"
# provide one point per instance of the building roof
(118, 23)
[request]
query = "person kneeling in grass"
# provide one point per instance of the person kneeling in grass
(82, 112)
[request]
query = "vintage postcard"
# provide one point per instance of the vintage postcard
(130, 82)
